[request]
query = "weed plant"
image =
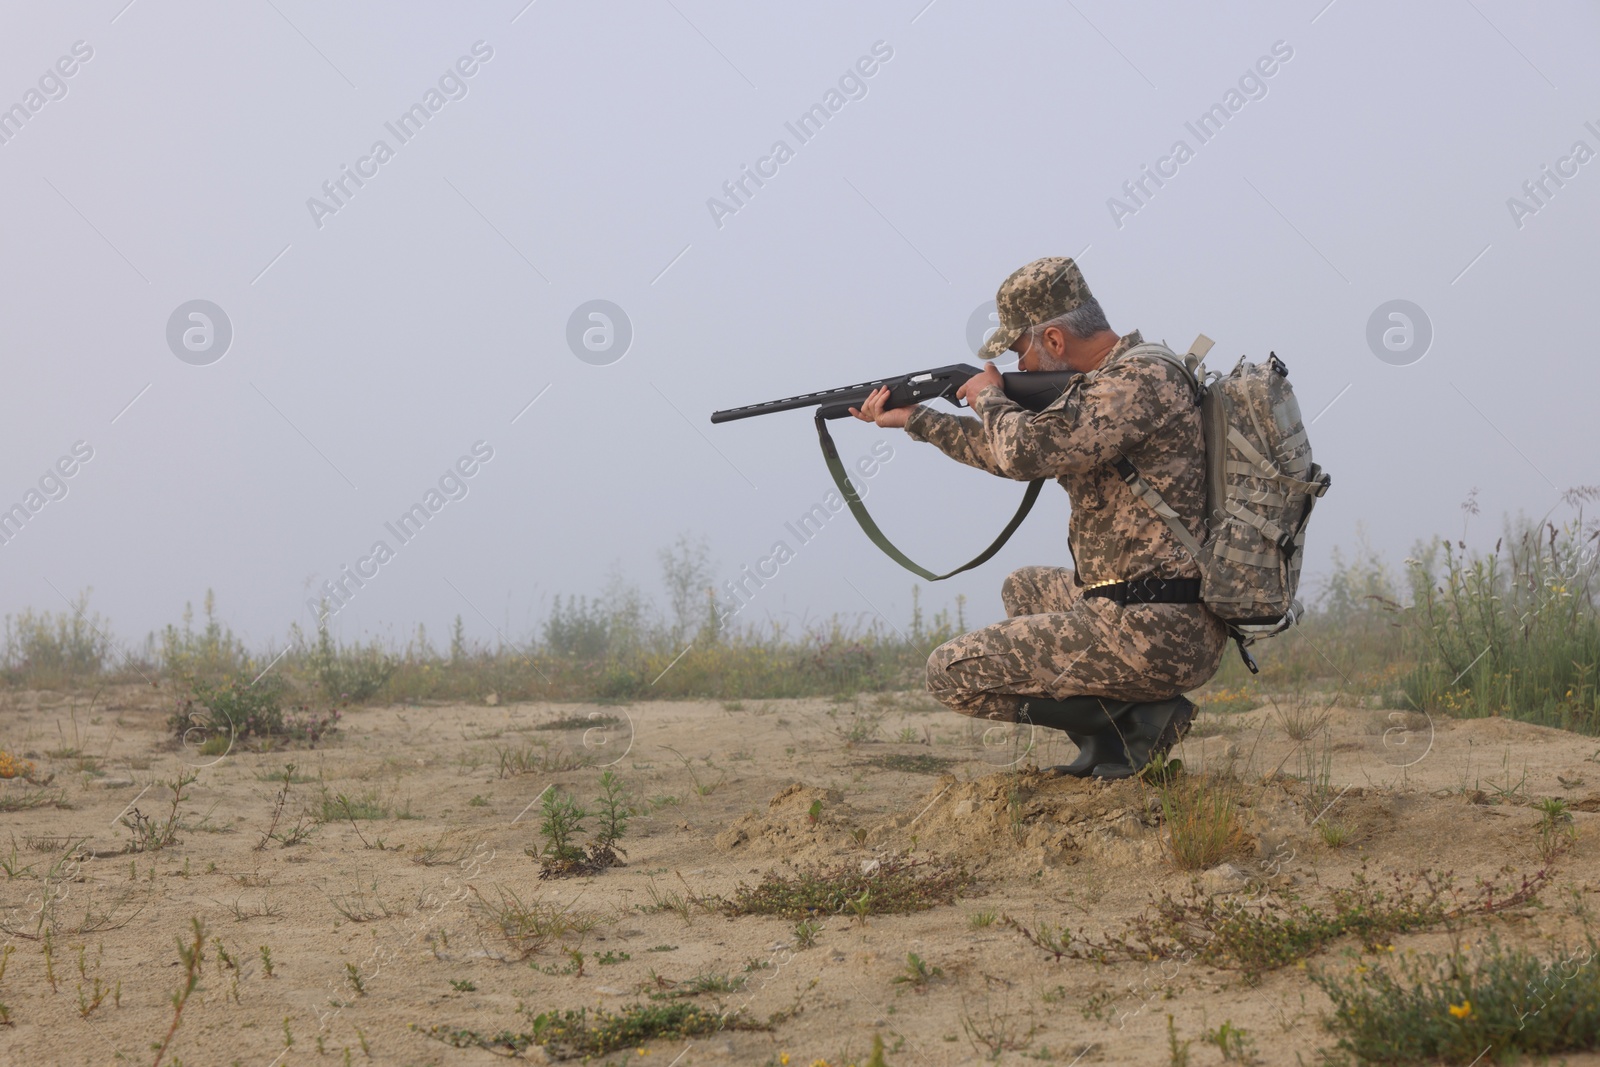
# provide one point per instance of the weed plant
(151, 834)
(1201, 816)
(896, 886)
(529, 927)
(1514, 631)
(1271, 931)
(1454, 1007)
(592, 1032)
(562, 821)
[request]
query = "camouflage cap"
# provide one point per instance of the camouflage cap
(1043, 290)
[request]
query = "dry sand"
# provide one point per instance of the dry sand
(729, 791)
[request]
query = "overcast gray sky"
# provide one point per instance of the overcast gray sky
(378, 337)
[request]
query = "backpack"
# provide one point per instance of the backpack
(1260, 487)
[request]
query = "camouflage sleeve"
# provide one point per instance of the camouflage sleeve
(960, 439)
(1107, 416)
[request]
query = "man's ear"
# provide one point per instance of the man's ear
(1055, 339)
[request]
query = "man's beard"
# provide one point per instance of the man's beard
(1048, 362)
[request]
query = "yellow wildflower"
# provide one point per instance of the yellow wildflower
(13, 767)
(1462, 1010)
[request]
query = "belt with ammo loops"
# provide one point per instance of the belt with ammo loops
(1149, 591)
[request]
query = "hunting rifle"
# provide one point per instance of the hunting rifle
(1034, 390)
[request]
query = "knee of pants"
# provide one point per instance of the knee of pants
(1017, 592)
(939, 680)
(943, 686)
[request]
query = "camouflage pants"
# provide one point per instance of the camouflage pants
(1056, 643)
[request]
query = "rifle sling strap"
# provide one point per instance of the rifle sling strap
(842, 480)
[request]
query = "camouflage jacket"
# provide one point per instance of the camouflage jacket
(1141, 408)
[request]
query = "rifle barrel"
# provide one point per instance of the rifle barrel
(845, 393)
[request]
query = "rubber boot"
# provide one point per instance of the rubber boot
(1148, 730)
(1094, 750)
(1090, 723)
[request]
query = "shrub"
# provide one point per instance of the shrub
(231, 709)
(1454, 1007)
(212, 653)
(353, 674)
(56, 649)
(210, 716)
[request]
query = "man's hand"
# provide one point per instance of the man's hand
(872, 411)
(975, 384)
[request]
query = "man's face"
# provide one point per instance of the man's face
(1027, 351)
(1040, 353)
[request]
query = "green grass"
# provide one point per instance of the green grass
(537, 758)
(707, 982)
(1202, 819)
(1275, 930)
(918, 763)
(580, 722)
(1511, 630)
(28, 799)
(596, 1032)
(895, 887)
(530, 927)
(344, 807)
(1450, 1008)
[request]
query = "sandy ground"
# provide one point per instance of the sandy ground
(729, 791)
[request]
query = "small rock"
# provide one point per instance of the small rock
(1045, 856)
(1127, 825)
(492, 699)
(113, 783)
(1273, 845)
(610, 991)
(961, 809)
(1224, 878)
(870, 866)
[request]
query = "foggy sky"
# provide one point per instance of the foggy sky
(406, 326)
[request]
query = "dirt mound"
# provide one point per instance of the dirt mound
(1028, 820)
(800, 821)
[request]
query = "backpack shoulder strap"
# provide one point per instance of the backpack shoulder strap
(1189, 362)
(1190, 365)
(1153, 500)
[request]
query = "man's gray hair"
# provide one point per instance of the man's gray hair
(1082, 322)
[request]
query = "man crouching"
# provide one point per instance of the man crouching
(1104, 652)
